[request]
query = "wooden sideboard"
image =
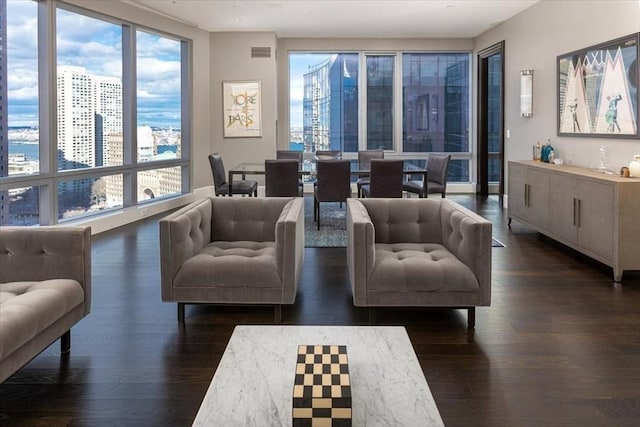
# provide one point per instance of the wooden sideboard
(594, 213)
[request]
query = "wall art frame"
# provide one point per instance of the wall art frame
(242, 109)
(598, 92)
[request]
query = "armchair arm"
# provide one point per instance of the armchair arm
(182, 234)
(290, 247)
(47, 252)
(360, 249)
(468, 236)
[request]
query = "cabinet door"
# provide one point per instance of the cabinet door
(562, 207)
(538, 197)
(517, 182)
(595, 230)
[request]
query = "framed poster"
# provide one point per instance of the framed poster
(241, 108)
(598, 90)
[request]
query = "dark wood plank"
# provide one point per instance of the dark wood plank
(560, 344)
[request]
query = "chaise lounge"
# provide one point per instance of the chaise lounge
(418, 253)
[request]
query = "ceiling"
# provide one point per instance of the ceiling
(342, 18)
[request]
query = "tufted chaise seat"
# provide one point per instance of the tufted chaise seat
(418, 252)
(45, 288)
(233, 251)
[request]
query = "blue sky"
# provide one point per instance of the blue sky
(97, 46)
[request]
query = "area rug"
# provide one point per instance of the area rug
(333, 225)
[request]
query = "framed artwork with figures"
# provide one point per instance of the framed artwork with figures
(241, 109)
(598, 90)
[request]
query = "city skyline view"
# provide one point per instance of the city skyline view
(95, 45)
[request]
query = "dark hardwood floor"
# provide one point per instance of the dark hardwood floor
(559, 346)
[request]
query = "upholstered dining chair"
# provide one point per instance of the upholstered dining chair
(385, 179)
(281, 178)
(333, 184)
(245, 186)
(364, 161)
(292, 154)
(328, 154)
(437, 174)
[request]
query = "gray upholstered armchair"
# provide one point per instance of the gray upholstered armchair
(45, 289)
(236, 250)
(418, 252)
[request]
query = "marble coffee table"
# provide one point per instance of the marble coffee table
(253, 384)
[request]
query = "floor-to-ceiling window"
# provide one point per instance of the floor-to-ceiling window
(410, 104)
(98, 128)
(323, 108)
(380, 73)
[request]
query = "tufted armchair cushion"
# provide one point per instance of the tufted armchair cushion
(233, 250)
(417, 252)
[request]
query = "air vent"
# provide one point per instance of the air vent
(261, 52)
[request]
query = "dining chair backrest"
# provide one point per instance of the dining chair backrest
(217, 170)
(289, 154)
(365, 157)
(438, 167)
(281, 178)
(328, 154)
(333, 180)
(437, 173)
(386, 178)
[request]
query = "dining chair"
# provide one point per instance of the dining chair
(333, 184)
(437, 174)
(385, 179)
(220, 184)
(293, 154)
(328, 154)
(281, 178)
(364, 162)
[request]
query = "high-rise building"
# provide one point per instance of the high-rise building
(108, 115)
(89, 109)
(330, 105)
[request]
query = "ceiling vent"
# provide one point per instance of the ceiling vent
(261, 52)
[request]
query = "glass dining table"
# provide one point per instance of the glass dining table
(308, 169)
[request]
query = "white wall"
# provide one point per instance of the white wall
(533, 40)
(231, 60)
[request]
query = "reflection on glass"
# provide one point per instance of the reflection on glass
(157, 183)
(435, 104)
(20, 206)
(380, 102)
(80, 197)
(494, 64)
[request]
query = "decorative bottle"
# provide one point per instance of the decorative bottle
(537, 149)
(634, 166)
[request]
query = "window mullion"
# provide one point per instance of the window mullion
(47, 112)
(129, 115)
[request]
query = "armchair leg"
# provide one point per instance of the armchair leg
(277, 314)
(181, 312)
(65, 342)
(471, 317)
